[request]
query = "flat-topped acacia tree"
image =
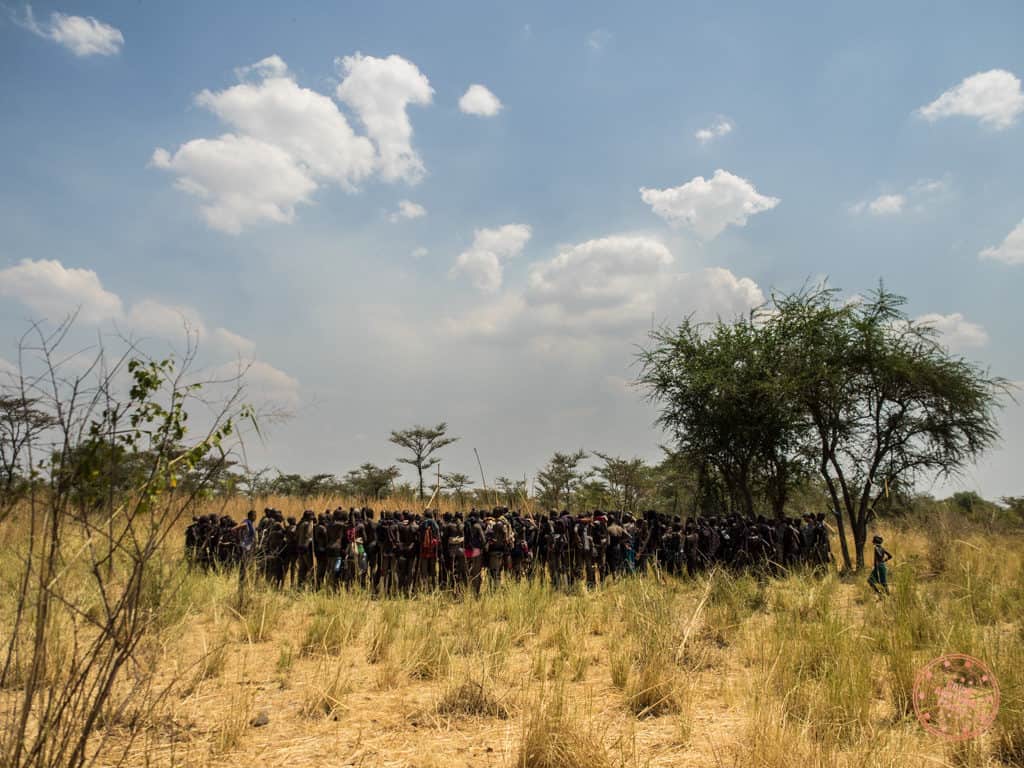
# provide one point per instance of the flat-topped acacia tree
(422, 442)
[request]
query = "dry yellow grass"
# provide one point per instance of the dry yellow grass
(719, 671)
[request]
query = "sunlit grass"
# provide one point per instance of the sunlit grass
(796, 671)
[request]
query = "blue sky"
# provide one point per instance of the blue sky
(511, 306)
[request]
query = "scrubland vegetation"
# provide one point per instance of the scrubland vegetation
(719, 670)
(115, 652)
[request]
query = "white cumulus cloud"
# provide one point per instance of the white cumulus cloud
(380, 91)
(305, 124)
(408, 210)
(993, 97)
(241, 180)
(1011, 250)
(420, 252)
(606, 282)
(606, 290)
(708, 294)
(478, 100)
(708, 206)
(285, 141)
(720, 127)
(82, 35)
(483, 261)
(957, 332)
(50, 289)
(54, 291)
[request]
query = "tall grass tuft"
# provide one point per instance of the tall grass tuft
(1006, 656)
(234, 719)
(260, 615)
(620, 662)
(334, 628)
(818, 663)
(904, 629)
(470, 698)
(731, 600)
(771, 740)
(652, 689)
(552, 738)
(325, 694)
(382, 631)
(423, 651)
(210, 665)
(524, 608)
(651, 618)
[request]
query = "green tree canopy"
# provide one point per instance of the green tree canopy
(856, 392)
(559, 478)
(727, 404)
(369, 481)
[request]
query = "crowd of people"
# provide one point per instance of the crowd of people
(399, 553)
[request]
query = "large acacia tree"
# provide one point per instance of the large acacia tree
(855, 391)
(885, 402)
(725, 401)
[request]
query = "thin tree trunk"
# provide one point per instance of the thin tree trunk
(840, 526)
(860, 537)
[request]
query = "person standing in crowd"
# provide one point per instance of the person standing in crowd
(246, 531)
(404, 553)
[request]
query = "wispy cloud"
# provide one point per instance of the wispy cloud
(408, 210)
(82, 35)
(599, 40)
(917, 197)
(720, 127)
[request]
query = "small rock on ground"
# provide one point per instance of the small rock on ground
(260, 720)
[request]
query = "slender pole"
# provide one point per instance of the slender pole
(437, 490)
(526, 499)
(482, 478)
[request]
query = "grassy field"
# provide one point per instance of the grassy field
(716, 671)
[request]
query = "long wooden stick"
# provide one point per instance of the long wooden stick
(482, 478)
(437, 490)
(527, 502)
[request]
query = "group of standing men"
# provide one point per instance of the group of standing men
(399, 553)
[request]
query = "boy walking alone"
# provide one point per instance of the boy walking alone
(879, 573)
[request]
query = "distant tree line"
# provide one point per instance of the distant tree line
(807, 402)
